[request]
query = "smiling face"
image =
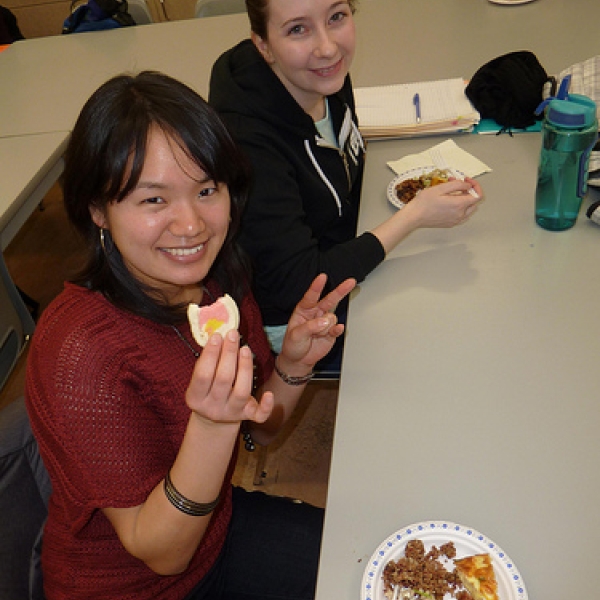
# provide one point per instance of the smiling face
(171, 227)
(309, 45)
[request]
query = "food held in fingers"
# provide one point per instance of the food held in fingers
(219, 317)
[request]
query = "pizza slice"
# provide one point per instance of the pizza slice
(477, 575)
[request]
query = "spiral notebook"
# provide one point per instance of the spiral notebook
(390, 110)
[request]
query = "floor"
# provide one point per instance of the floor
(44, 254)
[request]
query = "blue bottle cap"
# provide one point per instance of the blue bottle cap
(577, 112)
(569, 111)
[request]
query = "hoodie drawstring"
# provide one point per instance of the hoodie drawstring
(323, 177)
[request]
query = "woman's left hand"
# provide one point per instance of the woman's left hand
(313, 327)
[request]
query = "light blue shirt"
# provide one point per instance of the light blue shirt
(325, 127)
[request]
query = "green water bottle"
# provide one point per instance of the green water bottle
(569, 132)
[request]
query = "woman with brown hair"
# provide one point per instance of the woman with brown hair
(287, 98)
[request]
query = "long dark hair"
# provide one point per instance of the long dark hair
(104, 161)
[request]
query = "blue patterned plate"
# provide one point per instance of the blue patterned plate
(467, 542)
(410, 174)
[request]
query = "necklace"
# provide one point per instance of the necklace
(184, 340)
(180, 335)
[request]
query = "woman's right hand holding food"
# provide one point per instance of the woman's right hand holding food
(445, 205)
(441, 206)
(220, 390)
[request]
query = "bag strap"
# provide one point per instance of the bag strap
(122, 15)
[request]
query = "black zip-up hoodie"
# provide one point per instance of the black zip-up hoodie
(302, 211)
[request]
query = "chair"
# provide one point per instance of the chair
(16, 324)
(211, 8)
(24, 492)
(140, 12)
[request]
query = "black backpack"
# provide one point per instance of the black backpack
(509, 88)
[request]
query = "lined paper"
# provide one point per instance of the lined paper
(390, 108)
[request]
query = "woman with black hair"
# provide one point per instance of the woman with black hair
(138, 426)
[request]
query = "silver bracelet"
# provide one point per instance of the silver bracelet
(189, 507)
(290, 380)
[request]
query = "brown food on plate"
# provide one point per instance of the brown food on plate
(421, 571)
(406, 190)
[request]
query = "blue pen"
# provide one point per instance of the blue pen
(563, 90)
(417, 103)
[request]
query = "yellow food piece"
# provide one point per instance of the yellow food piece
(477, 575)
(212, 325)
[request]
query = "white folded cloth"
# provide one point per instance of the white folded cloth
(585, 79)
(456, 157)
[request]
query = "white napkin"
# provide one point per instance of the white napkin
(456, 157)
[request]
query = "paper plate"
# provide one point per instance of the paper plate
(410, 174)
(467, 542)
(510, 1)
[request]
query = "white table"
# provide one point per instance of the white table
(45, 81)
(469, 388)
(29, 166)
(403, 41)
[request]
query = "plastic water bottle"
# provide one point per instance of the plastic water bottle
(569, 132)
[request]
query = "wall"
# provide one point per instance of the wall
(175, 10)
(39, 18)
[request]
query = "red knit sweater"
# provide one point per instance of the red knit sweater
(105, 392)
